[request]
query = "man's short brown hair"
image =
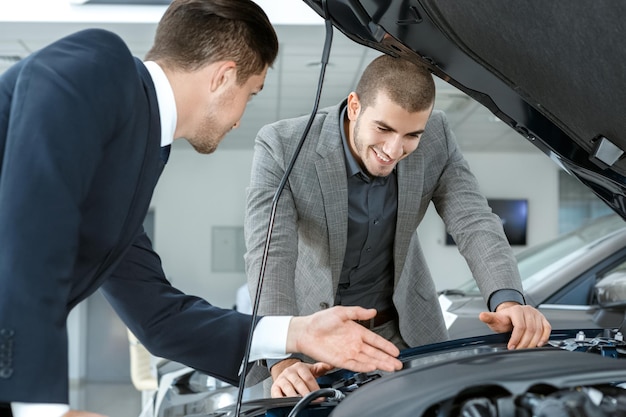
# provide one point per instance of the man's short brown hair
(407, 84)
(194, 33)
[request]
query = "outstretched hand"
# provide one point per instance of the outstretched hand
(529, 327)
(332, 336)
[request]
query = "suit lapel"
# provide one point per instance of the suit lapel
(410, 183)
(331, 173)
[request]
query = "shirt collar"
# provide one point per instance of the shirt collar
(166, 101)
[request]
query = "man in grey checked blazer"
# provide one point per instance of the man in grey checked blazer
(346, 223)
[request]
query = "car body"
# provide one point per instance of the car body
(580, 373)
(558, 277)
(478, 377)
(553, 72)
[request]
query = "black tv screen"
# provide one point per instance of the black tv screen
(514, 216)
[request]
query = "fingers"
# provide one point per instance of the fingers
(374, 352)
(381, 345)
(358, 313)
(298, 379)
(547, 329)
(279, 367)
(529, 328)
(333, 337)
(499, 323)
(515, 342)
(377, 351)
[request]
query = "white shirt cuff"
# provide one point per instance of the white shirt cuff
(38, 410)
(269, 340)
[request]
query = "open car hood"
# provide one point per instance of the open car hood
(554, 72)
(573, 375)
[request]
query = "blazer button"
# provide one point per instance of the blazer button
(6, 333)
(324, 305)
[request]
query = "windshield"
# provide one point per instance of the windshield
(539, 261)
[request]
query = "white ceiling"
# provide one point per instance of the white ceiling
(290, 85)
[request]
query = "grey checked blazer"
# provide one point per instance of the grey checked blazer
(310, 234)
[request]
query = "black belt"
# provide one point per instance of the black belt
(380, 318)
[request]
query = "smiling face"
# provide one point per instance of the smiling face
(384, 133)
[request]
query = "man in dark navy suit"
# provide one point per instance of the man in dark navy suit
(82, 128)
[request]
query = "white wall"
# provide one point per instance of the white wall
(197, 192)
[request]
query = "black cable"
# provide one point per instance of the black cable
(330, 393)
(279, 190)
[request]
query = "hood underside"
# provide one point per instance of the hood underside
(554, 71)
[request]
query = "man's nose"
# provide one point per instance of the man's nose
(393, 147)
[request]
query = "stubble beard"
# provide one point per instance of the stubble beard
(203, 147)
(363, 153)
(207, 139)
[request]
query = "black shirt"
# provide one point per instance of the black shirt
(367, 274)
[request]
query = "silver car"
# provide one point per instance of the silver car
(558, 276)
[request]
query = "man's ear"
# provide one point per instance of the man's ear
(223, 73)
(354, 106)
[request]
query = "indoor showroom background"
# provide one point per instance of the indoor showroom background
(196, 215)
(196, 221)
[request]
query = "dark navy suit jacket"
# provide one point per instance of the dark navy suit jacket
(79, 160)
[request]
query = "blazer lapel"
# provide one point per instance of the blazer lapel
(410, 183)
(331, 173)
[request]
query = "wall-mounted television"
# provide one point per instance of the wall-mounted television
(514, 215)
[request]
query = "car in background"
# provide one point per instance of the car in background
(558, 277)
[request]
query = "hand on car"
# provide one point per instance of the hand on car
(529, 327)
(295, 378)
(332, 336)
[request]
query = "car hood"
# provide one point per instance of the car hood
(486, 371)
(460, 377)
(552, 71)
